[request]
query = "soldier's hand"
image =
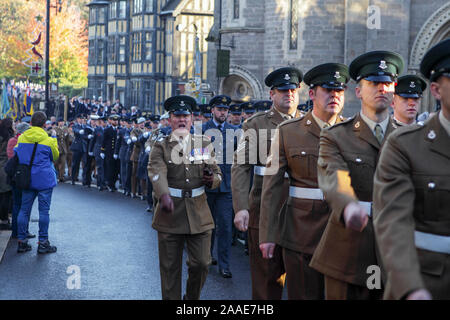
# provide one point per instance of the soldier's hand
(81, 131)
(102, 155)
(90, 136)
(134, 139)
(146, 133)
(166, 203)
(147, 149)
(53, 133)
(267, 249)
(420, 294)
(208, 177)
(128, 141)
(355, 217)
(90, 154)
(241, 220)
(115, 156)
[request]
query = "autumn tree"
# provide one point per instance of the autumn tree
(20, 20)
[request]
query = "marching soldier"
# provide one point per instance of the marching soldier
(121, 148)
(180, 166)
(111, 158)
(95, 149)
(88, 160)
(248, 109)
(236, 115)
(347, 160)
(407, 97)
(137, 146)
(78, 146)
(411, 196)
(62, 134)
(295, 150)
(220, 200)
(250, 156)
(142, 173)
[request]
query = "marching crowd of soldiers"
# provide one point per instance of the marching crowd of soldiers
(334, 208)
(322, 198)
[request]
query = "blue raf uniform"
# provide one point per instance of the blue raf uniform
(111, 159)
(95, 150)
(88, 160)
(122, 149)
(78, 148)
(219, 200)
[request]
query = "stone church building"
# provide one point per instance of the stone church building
(262, 35)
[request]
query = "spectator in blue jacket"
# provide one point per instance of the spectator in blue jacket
(43, 180)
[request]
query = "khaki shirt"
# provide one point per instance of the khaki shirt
(253, 150)
(301, 226)
(412, 193)
(348, 157)
(168, 167)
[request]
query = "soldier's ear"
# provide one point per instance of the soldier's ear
(435, 89)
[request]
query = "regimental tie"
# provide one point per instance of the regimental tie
(379, 133)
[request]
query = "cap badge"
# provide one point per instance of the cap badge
(182, 103)
(357, 124)
(224, 99)
(382, 65)
(308, 122)
(431, 135)
(287, 77)
(337, 75)
(412, 84)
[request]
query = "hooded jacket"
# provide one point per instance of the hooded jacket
(43, 173)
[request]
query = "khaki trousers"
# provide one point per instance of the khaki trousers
(171, 258)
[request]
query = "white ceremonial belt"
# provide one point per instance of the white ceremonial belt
(367, 206)
(306, 193)
(186, 193)
(261, 171)
(432, 242)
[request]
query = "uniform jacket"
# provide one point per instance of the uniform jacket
(191, 215)
(79, 144)
(412, 192)
(296, 145)
(62, 135)
(263, 124)
(109, 141)
(137, 146)
(348, 157)
(43, 174)
(96, 142)
(225, 167)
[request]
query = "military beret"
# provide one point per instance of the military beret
(377, 66)
(436, 61)
(284, 78)
(410, 86)
(328, 75)
(180, 104)
(222, 101)
(262, 105)
(235, 109)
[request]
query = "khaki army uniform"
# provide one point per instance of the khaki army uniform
(69, 154)
(412, 210)
(191, 220)
(348, 157)
(302, 224)
(265, 273)
(63, 137)
(136, 132)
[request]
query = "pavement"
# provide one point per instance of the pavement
(107, 250)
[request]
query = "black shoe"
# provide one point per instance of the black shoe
(225, 273)
(45, 247)
(73, 182)
(23, 246)
(30, 236)
(213, 261)
(133, 196)
(149, 209)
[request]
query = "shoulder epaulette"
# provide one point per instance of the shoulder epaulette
(302, 116)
